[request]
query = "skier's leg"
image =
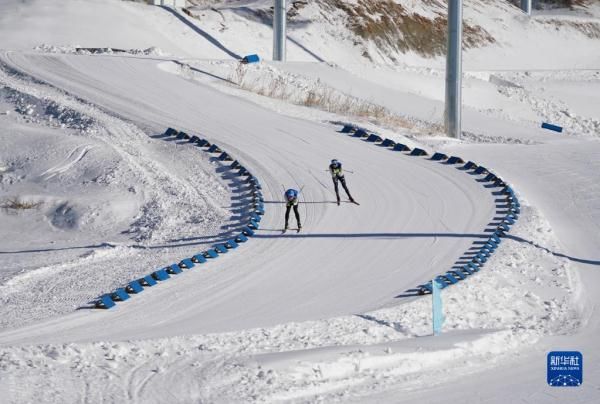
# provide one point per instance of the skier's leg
(287, 215)
(297, 215)
(337, 191)
(343, 181)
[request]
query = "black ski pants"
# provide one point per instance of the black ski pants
(287, 214)
(335, 186)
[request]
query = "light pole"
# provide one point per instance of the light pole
(279, 36)
(452, 113)
(526, 6)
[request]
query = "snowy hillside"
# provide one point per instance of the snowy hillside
(94, 195)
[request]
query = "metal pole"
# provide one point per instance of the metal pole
(452, 114)
(526, 6)
(279, 35)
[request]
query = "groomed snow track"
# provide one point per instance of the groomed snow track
(414, 215)
(509, 207)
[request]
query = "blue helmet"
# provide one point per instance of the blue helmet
(291, 194)
(335, 163)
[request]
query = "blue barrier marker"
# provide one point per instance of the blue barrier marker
(253, 225)
(231, 244)
(490, 177)
(485, 253)
(170, 132)
(348, 129)
(439, 156)
(257, 184)
(194, 139)
(374, 138)
(549, 126)
(504, 227)
(203, 143)
(120, 294)
(148, 280)
(134, 287)
(183, 135)
(105, 302)
(199, 258)
(490, 246)
(450, 278)
(360, 133)
(388, 143)
(225, 157)
(211, 253)
(424, 288)
(241, 238)
(443, 281)
(479, 259)
(214, 149)
(173, 269)
(250, 59)
(186, 263)
(470, 165)
(474, 267)
(466, 271)
(458, 274)
(160, 275)
(247, 231)
(221, 248)
(481, 170)
(455, 160)
(401, 147)
(418, 152)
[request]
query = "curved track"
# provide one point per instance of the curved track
(416, 217)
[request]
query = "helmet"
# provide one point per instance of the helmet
(334, 162)
(290, 194)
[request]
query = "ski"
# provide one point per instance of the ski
(285, 230)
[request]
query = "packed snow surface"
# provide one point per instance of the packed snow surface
(324, 315)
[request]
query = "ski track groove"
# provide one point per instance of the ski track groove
(415, 200)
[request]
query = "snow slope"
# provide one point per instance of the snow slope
(303, 263)
(311, 317)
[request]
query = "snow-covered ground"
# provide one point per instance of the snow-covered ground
(316, 316)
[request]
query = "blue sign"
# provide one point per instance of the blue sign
(438, 314)
(565, 369)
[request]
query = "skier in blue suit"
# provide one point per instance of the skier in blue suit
(291, 197)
